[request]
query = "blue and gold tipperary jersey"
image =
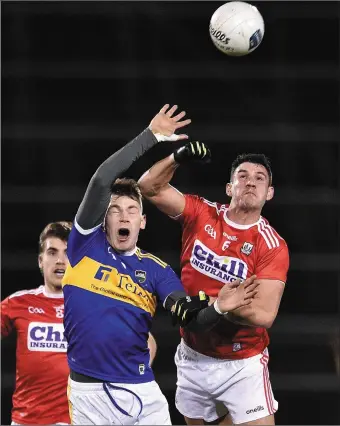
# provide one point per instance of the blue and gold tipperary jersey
(110, 300)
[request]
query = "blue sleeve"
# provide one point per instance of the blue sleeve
(80, 242)
(167, 282)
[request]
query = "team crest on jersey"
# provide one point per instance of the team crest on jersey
(247, 248)
(46, 337)
(237, 347)
(222, 268)
(141, 276)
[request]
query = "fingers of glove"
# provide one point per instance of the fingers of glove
(185, 318)
(199, 150)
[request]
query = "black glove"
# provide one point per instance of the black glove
(186, 308)
(193, 151)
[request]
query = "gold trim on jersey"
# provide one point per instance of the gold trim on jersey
(105, 280)
(141, 256)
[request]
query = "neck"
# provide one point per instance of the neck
(50, 289)
(243, 216)
(123, 252)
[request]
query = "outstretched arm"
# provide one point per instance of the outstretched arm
(154, 186)
(92, 209)
(155, 183)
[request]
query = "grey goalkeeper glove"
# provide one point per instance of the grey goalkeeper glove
(193, 151)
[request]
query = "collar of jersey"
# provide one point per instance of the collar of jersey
(126, 253)
(52, 295)
(237, 225)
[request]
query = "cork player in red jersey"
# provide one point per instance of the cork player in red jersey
(222, 374)
(37, 317)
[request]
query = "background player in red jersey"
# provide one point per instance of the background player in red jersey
(37, 317)
(225, 370)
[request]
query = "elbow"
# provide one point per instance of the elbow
(97, 181)
(147, 189)
(265, 320)
(267, 324)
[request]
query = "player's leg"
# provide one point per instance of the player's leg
(249, 395)
(268, 420)
(224, 420)
(154, 406)
(195, 378)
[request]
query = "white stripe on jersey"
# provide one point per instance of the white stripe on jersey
(268, 235)
(214, 204)
(35, 291)
(266, 231)
(85, 231)
(271, 231)
(263, 235)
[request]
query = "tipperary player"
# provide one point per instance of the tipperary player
(111, 288)
(225, 370)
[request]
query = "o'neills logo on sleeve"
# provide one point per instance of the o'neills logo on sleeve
(46, 337)
(221, 268)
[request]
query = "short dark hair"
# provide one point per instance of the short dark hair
(252, 158)
(127, 187)
(59, 230)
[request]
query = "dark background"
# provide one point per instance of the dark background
(80, 79)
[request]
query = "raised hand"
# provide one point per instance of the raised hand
(193, 151)
(165, 124)
(236, 294)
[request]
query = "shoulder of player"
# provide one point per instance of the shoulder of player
(25, 293)
(150, 258)
(212, 206)
(269, 236)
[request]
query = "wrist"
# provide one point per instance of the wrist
(163, 138)
(217, 309)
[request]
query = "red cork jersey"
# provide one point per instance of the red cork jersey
(215, 251)
(41, 364)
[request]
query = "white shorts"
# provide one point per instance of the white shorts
(117, 403)
(208, 388)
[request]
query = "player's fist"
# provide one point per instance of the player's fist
(186, 308)
(193, 151)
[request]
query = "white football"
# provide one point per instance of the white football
(236, 28)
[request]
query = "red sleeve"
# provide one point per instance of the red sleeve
(192, 209)
(6, 321)
(274, 264)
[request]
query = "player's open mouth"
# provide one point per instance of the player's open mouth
(123, 234)
(59, 272)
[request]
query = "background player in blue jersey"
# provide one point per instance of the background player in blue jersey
(111, 289)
